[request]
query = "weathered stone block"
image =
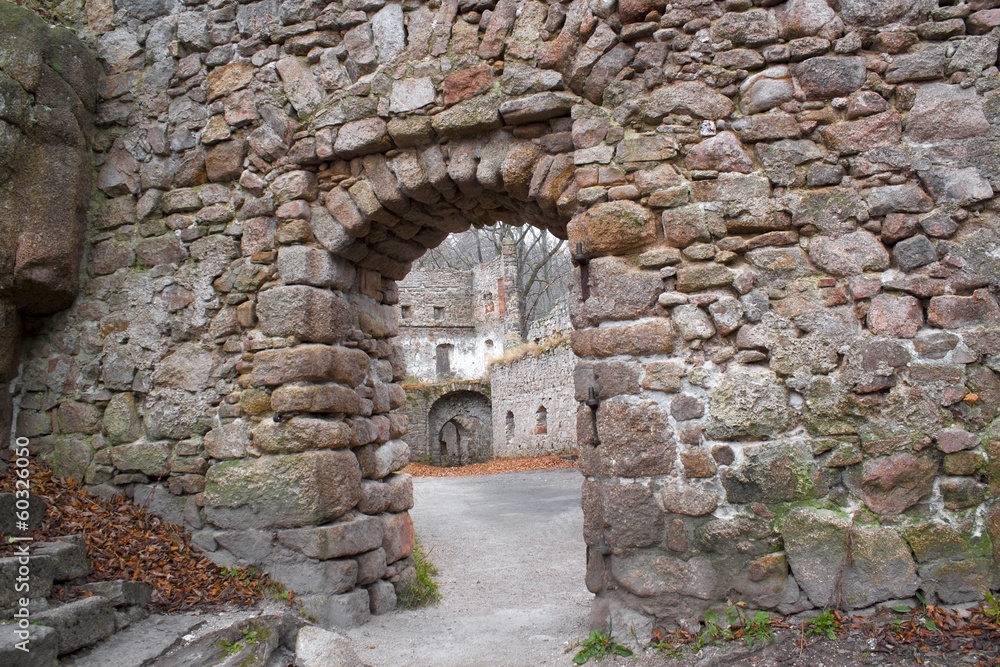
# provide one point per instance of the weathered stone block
(349, 537)
(362, 137)
(312, 314)
(316, 487)
(827, 77)
(189, 368)
(636, 440)
(856, 136)
(684, 225)
(895, 316)
(774, 473)
(69, 558)
(398, 537)
(753, 28)
(723, 152)
(309, 363)
(149, 458)
(44, 646)
(850, 254)
(892, 484)
(690, 97)
(613, 228)
(391, 457)
(962, 492)
(701, 276)
(838, 563)
(749, 402)
(632, 517)
(650, 573)
(121, 593)
(653, 337)
(228, 442)
(300, 434)
(942, 111)
(957, 312)
(301, 265)
(328, 398)
(80, 623)
(688, 500)
(472, 116)
(952, 440)
(538, 107)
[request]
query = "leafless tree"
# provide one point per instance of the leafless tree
(543, 263)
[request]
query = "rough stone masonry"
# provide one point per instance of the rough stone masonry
(788, 216)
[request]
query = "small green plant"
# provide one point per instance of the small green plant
(599, 644)
(991, 607)
(423, 590)
(825, 624)
(758, 629)
(279, 592)
(230, 648)
(251, 636)
(668, 650)
(714, 633)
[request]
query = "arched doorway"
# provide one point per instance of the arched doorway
(460, 428)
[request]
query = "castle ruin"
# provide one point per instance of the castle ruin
(785, 313)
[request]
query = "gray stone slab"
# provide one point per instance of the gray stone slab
(139, 644)
(41, 646)
(81, 623)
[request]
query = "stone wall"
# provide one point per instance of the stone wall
(787, 215)
(521, 388)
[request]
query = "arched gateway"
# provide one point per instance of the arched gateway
(784, 222)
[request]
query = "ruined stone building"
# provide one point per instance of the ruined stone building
(786, 328)
(476, 389)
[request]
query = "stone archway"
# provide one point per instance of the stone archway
(786, 318)
(460, 428)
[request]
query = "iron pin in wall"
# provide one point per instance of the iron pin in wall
(593, 403)
(583, 262)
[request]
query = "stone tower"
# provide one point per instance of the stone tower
(510, 294)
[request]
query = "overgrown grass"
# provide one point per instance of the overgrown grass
(423, 590)
(519, 352)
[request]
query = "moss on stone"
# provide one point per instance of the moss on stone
(933, 540)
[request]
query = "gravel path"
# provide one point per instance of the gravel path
(511, 556)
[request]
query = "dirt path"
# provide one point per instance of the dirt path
(511, 555)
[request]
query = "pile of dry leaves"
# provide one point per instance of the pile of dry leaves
(125, 541)
(494, 467)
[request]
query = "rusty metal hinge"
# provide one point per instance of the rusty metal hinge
(593, 403)
(583, 262)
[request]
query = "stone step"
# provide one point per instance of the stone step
(41, 646)
(139, 645)
(69, 554)
(40, 570)
(8, 516)
(80, 623)
(251, 641)
(121, 593)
